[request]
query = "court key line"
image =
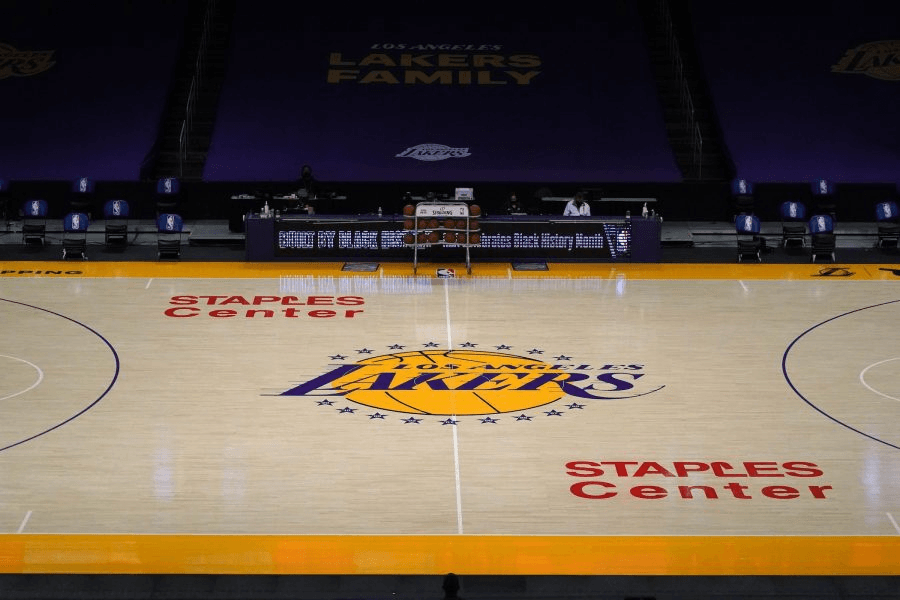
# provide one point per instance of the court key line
(459, 519)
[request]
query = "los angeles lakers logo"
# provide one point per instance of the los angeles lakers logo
(468, 382)
(875, 59)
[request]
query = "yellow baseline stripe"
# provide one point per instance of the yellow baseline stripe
(434, 555)
(238, 270)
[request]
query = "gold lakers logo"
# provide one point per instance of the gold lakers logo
(880, 60)
(22, 63)
(468, 382)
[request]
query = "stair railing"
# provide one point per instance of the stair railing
(686, 100)
(184, 138)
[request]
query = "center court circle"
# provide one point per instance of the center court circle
(77, 365)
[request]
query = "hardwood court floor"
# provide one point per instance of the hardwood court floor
(588, 419)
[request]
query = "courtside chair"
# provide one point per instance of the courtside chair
(168, 191)
(823, 240)
(742, 199)
(749, 242)
(168, 235)
(75, 226)
(887, 219)
(82, 195)
(116, 213)
(824, 197)
(34, 222)
(793, 223)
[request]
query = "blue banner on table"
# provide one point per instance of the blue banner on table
(500, 240)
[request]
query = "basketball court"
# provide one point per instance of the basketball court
(586, 419)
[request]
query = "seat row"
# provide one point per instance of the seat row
(820, 227)
(116, 215)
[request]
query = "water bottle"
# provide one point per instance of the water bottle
(644, 211)
(379, 211)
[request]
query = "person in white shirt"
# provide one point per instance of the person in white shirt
(577, 207)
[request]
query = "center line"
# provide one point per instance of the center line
(459, 519)
(447, 314)
(28, 516)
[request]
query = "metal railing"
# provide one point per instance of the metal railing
(184, 138)
(686, 101)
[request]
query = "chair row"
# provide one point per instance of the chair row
(169, 227)
(168, 191)
(751, 244)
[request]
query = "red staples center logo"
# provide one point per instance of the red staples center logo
(468, 382)
(697, 480)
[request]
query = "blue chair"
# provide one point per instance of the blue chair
(887, 219)
(750, 243)
(168, 192)
(823, 239)
(742, 199)
(75, 226)
(34, 222)
(793, 223)
(116, 213)
(168, 235)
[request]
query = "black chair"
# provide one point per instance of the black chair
(74, 243)
(750, 243)
(742, 199)
(823, 240)
(82, 195)
(824, 198)
(34, 222)
(887, 219)
(168, 235)
(168, 195)
(116, 213)
(793, 223)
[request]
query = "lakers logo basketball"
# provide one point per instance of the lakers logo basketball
(468, 382)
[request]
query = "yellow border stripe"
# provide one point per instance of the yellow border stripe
(247, 270)
(433, 555)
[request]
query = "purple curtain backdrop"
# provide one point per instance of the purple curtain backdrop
(589, 111)
(787, 116)
(95, 112)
